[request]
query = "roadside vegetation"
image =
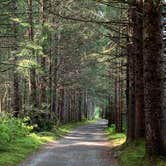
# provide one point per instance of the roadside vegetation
(18, 140)
(132, 154)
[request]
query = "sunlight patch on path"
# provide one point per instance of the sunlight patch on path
(85, 146)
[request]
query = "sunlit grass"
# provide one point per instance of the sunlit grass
(132, 154)
(128, 155)
(17, 151)
(115, 138)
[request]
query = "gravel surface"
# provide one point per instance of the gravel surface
(85, 146)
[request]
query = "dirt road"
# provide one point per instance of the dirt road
(85, 146)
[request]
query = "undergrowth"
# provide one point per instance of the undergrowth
(16, 141)
(132, 154)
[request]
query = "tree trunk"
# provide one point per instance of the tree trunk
(16, 93)
(16, 97)
(110, 115)
(131, 107)
(33, 87)
(131, 74)
(139, 82)
(118, 123)
(80, 107)
(43, 81)
(61, 105)
(153, 79)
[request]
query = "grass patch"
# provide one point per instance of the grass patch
(161, 162)
(116, 139)
(13, 153)
(131, 154)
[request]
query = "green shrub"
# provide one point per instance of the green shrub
(12, 128)
(39, 118)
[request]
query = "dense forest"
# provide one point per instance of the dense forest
(65, 61)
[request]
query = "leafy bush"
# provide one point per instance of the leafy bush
(39, 118)
(12, 128)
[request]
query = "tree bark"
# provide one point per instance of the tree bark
(139, 81)
(43, 81)
(153, 79)
(131, 107)
(131, 73)
(118, 123)
(33, 87)
(16, 88)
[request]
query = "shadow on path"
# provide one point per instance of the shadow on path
(85, 146)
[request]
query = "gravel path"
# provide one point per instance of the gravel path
(85, 146)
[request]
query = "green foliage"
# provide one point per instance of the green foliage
(12, 128)
(116, 139)
(132, 154)
(21, 22)
(161, 161)
(43, 35)
(39, 118)
(97, 112)
(17, 150)
(128, 154)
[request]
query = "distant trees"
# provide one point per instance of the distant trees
(46, 62)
